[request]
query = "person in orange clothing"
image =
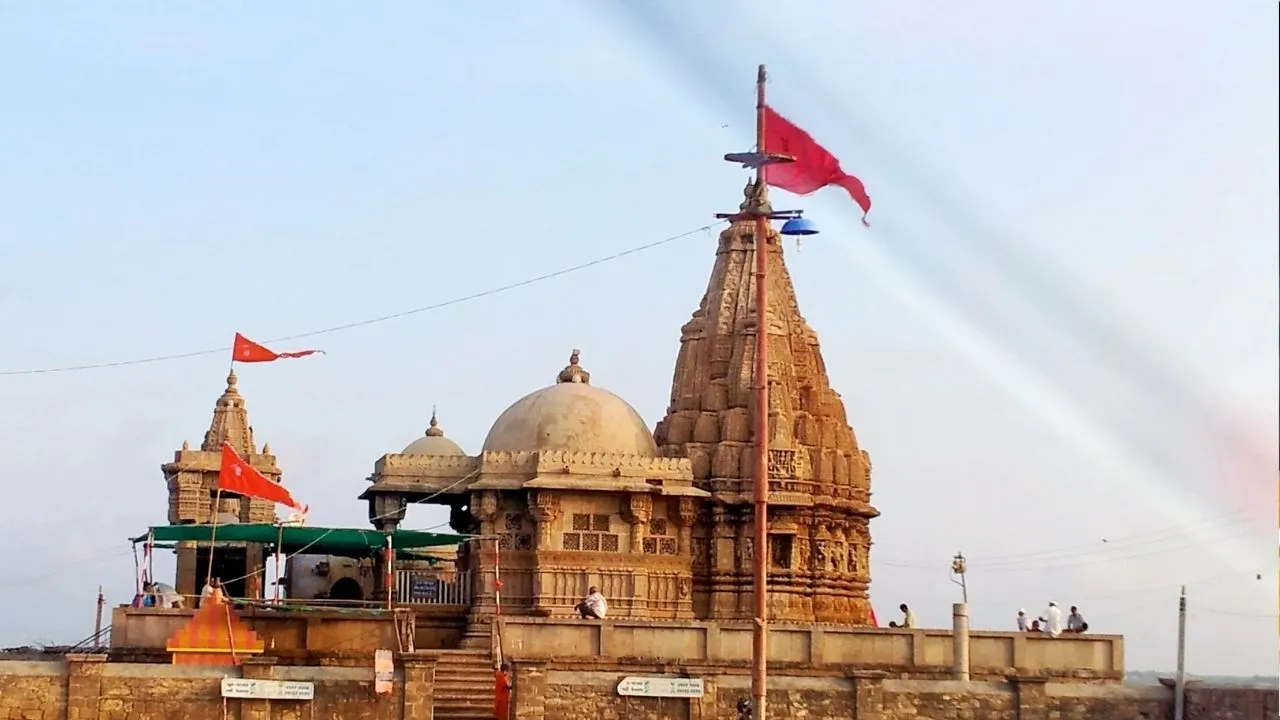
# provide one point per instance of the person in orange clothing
(502, 692)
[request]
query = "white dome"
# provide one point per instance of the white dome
(433, 442)
(571, 415)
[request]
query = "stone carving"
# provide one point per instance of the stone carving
(818, 474)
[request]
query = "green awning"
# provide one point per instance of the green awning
(350, 542)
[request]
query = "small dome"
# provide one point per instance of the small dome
(571, 415)
(433, 442)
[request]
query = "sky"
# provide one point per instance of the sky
(1058, 340)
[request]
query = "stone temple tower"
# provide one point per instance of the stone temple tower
(819, 479)
(192, 480)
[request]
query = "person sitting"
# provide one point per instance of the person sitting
(1075, 621)
(166, 596)
(593, 605)
(212, 592)
(1035, 626)
(908, 618)
(1022, 620)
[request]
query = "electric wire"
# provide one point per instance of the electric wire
(373, 320)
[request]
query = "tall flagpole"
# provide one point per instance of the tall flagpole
(760, 557)
(757, 209)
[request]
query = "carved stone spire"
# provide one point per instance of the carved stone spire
(230, 422)
(818, 475)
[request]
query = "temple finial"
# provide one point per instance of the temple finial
(573, 372)
(434, 429)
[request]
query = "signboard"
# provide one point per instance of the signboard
(384, 671)
(424, 589)
(267, 689)
(660, 687)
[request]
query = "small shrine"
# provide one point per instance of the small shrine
(215, 635)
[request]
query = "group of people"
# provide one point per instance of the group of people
(1051, 622)
(163, 595)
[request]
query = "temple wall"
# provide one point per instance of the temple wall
(545, 692)
(90, 688)
(922, 653)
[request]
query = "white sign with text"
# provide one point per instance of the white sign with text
(267, 689)
(660, 687)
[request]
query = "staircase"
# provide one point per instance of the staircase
(464, 687)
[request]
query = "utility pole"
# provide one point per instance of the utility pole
(758, 209)
(958, 568)
(1180, 680)
(97, 620)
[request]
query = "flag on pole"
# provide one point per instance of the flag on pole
(240, 478)
(814, 167)
(247, 351)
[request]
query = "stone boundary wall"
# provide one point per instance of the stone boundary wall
(543, 691)
(87, 687)
(918, 653)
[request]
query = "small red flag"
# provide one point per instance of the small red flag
(238, 477)
(247, 351)
(814, 168)
(874, 623)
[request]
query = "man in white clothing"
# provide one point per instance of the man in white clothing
(1052, 620)
(594, 605)
(166, 596)
(1022, 620)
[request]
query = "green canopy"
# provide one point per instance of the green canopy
(350, 542)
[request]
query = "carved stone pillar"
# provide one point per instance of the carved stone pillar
(544, 507)
(386, 512)
(637, 511)
(686, 513)
(484, 508)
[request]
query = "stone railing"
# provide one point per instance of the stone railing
(912, 652)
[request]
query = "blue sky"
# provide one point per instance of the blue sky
(1061, 328)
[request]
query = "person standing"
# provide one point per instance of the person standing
(1022, 620)
(502, 692)
(1051, 621)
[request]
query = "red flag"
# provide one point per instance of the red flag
(814, 167)
(237, 476)
(874, 623)
(247, 351)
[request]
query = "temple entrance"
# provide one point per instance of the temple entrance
(346, 589)
(230, 565)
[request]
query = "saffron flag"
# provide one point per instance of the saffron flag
(238, 477)
(814, 168)
(874, 622)
(247, 351)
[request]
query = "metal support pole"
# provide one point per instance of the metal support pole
(760, 558)
(1180, 681)
(960, 640)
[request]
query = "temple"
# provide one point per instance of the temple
(579, 493)
(192, 481)
(572, 489)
